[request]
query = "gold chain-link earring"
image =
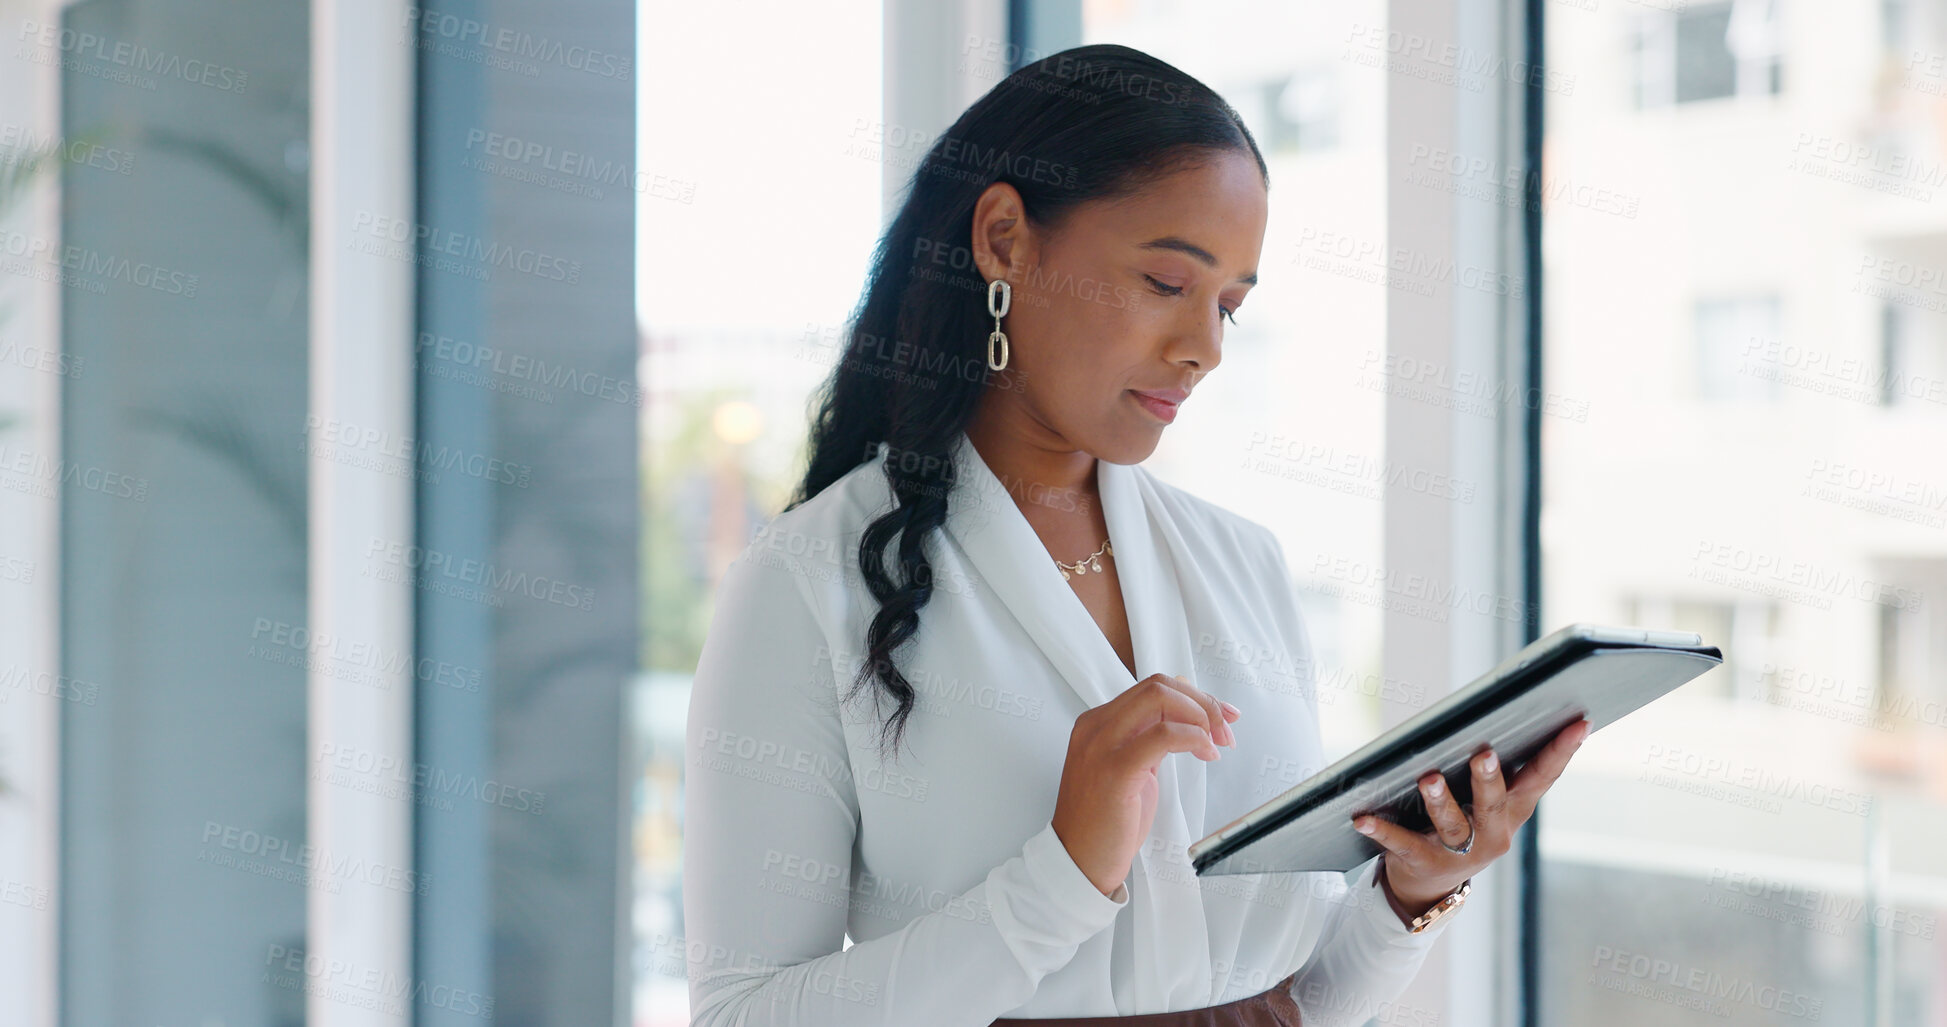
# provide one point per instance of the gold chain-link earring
(997, 309)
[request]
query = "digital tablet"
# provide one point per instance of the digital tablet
(1583, 670)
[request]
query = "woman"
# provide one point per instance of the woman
(1001, 830)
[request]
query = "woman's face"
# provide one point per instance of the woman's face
(1122, 296)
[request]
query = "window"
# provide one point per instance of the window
(1895, 28)
(1705, 67)
(1889, 654)
(724, 426)
(1748, 849)
(1892, 343)
(1691, 52)
(1738, 352)
(331, 646)
(1747, 626)
(1912, 372)
(184, 623)
(1303, 112)
(1909, 691)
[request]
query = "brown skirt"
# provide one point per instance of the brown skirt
(1272, 1007)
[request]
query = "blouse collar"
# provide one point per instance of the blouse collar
(1012, 561)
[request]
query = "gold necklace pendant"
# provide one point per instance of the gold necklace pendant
(1092, 562)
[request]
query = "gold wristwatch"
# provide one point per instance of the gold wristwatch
(1442, 908)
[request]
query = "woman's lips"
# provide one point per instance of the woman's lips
(1161, 403)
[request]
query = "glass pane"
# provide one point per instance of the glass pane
(523, 556)
(1737, 339)
(1705, 67)
(1289, 431)
(183, 489)
(1757, 333)
(732, 353)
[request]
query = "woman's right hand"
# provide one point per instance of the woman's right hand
(1108, 783)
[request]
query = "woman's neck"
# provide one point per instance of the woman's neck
(1030, 460)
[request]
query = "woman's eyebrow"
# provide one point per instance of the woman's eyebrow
(1182, 245)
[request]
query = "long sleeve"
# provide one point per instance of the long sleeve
(1365, 957)
(772, 814)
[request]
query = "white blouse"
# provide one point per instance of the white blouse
(942, 867)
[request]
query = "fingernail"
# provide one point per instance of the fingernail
(1491, 763)
(1363, 826)
(1437, 788)
(1228, 708)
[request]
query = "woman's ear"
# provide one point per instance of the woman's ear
(1003, 242)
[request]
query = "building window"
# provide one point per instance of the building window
(1743, 629)
(1907, 686)
(1895, 24)
(1737, 348)
(1707, 51)
(1892, 340)
(1913, 360)
(1303, 111)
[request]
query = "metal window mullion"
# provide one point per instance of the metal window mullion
(361, 324)
(1472, 336)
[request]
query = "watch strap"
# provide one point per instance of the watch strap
(1442, 908)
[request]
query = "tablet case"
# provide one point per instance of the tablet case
(1602, 673)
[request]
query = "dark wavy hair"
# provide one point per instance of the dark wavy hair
(1092, 123)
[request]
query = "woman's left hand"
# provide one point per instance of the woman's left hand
(1418, 870)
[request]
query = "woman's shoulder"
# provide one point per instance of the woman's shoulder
(815, 538)
(1216, 524)
(1245, 558)
(842, 508)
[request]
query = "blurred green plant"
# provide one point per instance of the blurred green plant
(21, 168)
(678, 510)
